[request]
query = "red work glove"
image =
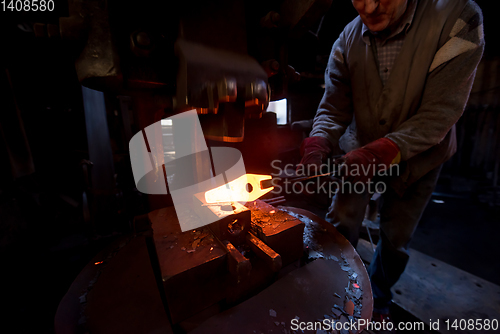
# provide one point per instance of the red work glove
(362, 164)
(313, 150)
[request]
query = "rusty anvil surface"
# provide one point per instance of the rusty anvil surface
(333, 287)
(280, 231)
(116, 291)
(198, 269)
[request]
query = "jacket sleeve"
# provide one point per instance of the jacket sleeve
(448, 86)
(335, 109)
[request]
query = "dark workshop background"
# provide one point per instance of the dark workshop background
(45, 239)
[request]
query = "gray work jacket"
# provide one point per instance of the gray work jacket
(423, 98)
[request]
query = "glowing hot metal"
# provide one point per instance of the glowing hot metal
(246, 188)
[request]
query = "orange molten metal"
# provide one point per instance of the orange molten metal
(246, 188)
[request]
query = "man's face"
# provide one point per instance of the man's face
(377, 15)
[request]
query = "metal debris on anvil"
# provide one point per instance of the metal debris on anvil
(353, 290)
(199, 237)
(354, 287)
(261, 219)
(343, 257)
(358, 293)
(344, 319)
(272, 313)
(344, 260)
(310, 229)
(195, 243)
(337, 295)
(315, 255)
(345, 268)
(349, 307)
(354, 295)
(336, 313)
(340, 308)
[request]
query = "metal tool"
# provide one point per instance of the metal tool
(305, 178)
(264, 184)
(370, 236)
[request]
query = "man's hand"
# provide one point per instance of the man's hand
(362, 164)
(314, 151)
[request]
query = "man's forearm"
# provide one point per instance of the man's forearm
(335, 110)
